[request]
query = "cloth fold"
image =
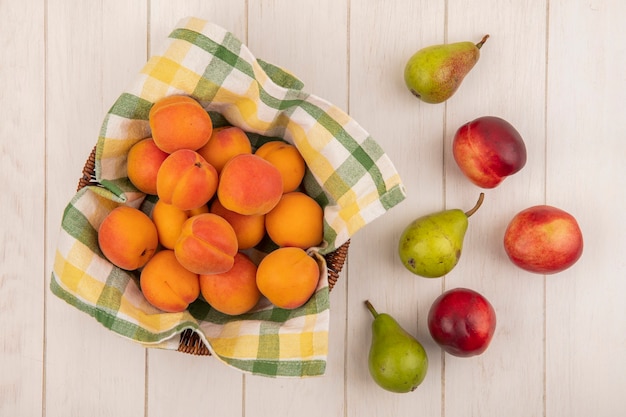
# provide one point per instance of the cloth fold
(347, 173)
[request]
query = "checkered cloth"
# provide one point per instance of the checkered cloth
(348, 174)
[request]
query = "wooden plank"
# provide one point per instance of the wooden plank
(195, 382)
(165, 14)
(172, 374)
(22, 134)
(294, 42)
(508, 82)
(382, 39)
(585, 310)
(93, 52)
(307, 38)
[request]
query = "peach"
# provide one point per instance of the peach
(249, 185)
(179, 122)
(143, 163)
(207, 244)
(287, 159)
(543, 239)
(287, 277)
(225, 143)
(167, 285)
(127, 238)
(297, 220)
(249, 229)
(186, 180)
(233, 292)
(488, 150)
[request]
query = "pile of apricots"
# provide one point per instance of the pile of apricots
(217, 197)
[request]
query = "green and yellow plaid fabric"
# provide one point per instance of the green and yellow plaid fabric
(348, 174)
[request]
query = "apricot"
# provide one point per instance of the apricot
(186, 180)
(287, 159)
(225, 143)
(249, 185)
(179, 122)
(207, 244)
(233, 292)
(167, 285)
(169, 221)
(297, 220)
(127, 238)
(287, 277)
(249, 229)
(143, 163)
(198, 210)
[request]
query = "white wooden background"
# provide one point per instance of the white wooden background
(556, 69)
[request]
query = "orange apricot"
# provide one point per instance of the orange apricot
(167, 285)
(249, 185)
(233, 292)
(225, 143)
(179, 122)
(207, 244)
(127, 238)
(297, 220)
(143, 163)
(287, 277)
(186, 180)
(287, 159)
(249, 229)
(198, 210)
(169, 221)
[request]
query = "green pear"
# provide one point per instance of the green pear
(431, 246)
(397, 361)
(433, 74)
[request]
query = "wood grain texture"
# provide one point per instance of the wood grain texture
(93, 52)
(586, 314)
(382, 39)
(164, 15)
(555, 69)
(22, 156)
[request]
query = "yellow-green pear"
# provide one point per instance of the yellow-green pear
(433, 74)
(397, 361)
(431, 245)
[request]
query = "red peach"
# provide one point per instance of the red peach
(543, 239)
(487, 150)
(462, 322)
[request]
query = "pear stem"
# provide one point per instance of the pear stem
(482, 41)
(371, 308)
(473, 210)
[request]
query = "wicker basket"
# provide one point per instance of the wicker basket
(190, 342)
